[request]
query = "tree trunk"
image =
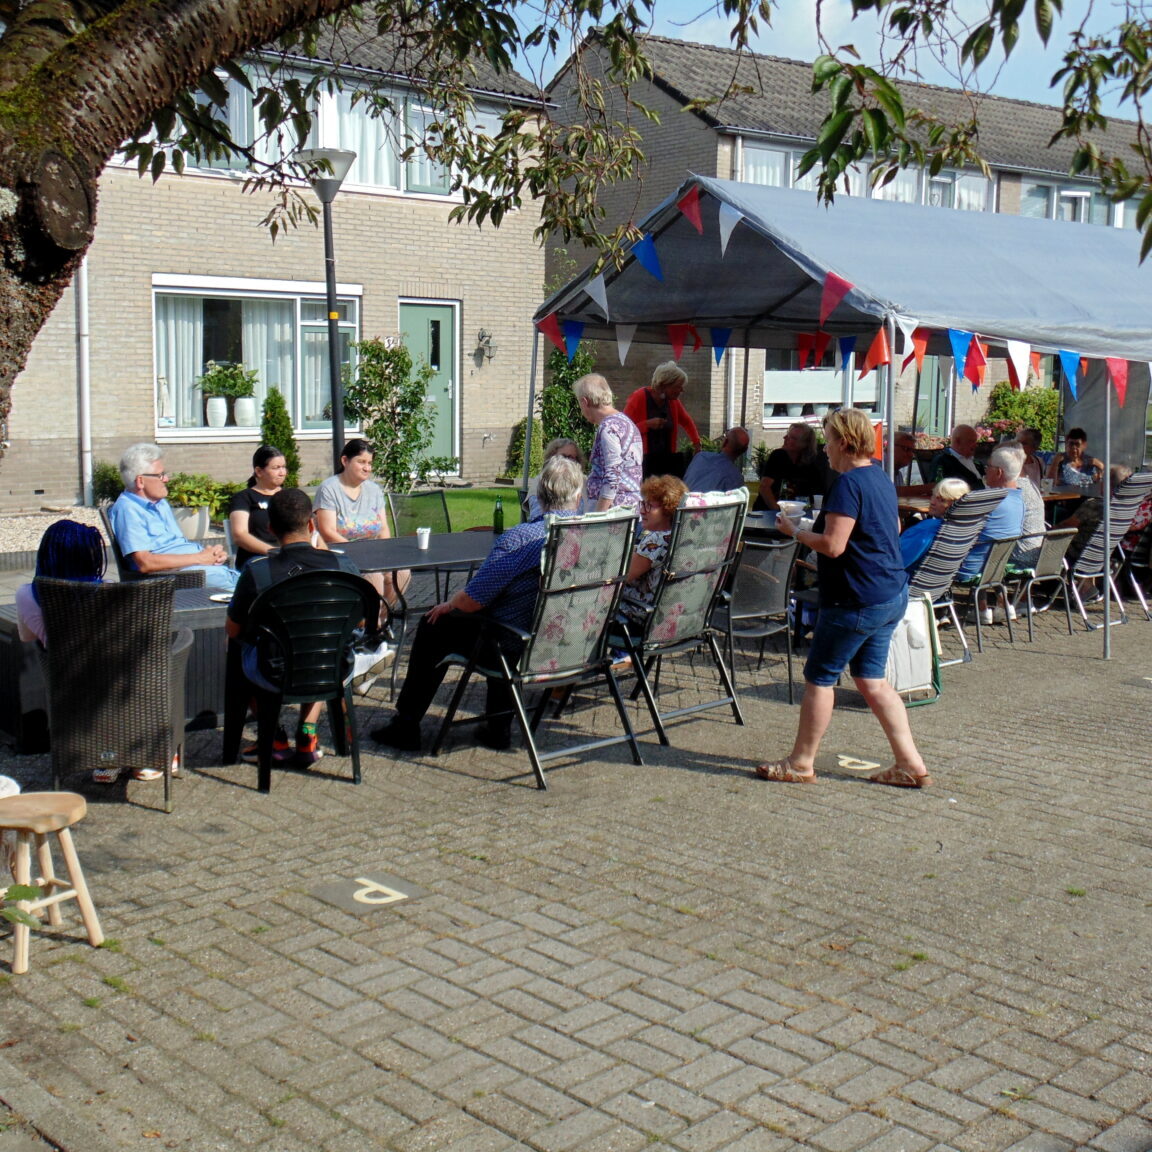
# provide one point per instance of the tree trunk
(67, 103)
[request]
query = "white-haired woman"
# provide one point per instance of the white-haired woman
(917, 538)
(560, 446)
(614, 472)
(657, 411)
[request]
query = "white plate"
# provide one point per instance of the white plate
(221, 597)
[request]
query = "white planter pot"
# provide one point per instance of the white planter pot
(244, 410)
(193, 522)
(216, 411)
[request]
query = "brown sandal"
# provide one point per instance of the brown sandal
(782, 772)
(900, 777)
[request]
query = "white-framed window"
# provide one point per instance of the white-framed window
(1078, 203)
(277, 328)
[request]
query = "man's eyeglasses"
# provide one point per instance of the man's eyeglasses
(154, 475)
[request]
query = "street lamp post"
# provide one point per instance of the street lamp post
(328, 168)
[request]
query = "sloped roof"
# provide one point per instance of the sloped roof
(1050, 284)
(1013, 133)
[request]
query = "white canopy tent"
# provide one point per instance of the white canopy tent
(742, 265)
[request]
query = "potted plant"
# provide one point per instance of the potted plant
(223, 386)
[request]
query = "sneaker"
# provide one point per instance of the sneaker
(985, 615)
(370, 665)
(1010, 611)
(148, 775)
(308, 751)
(282, 750)
(105, 775)
(400, 732)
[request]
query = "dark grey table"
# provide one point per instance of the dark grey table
(446, 551)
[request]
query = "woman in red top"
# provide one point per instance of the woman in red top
(656, 410)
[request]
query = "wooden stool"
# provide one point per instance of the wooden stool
(32, 816)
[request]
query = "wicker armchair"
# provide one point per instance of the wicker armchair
(115, 674)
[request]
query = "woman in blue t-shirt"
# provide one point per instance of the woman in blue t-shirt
(863, 594)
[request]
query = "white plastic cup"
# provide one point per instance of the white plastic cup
(423, 535)
(817, 503)
(1046, 485)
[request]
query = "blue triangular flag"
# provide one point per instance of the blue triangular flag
(720, 338)
(1070, 362)
(847, 350)
(961, 341)
(645, 251)
(573, 330)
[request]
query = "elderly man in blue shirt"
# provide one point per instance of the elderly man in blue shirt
(718, 471)
(147, 531)
(506, 588)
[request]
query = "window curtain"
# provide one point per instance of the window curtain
(268, 327)
(424, 175)
(179, 360)
(904, 188)
(766, 166)
(372, 135)
(971, 193)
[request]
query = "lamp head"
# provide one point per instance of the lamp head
(327, 169)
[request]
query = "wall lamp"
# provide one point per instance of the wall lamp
(484, 345)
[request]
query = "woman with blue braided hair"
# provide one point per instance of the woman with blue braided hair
(68, 551)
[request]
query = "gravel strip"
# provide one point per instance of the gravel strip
(21, 533)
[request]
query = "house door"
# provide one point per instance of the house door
(430, 334)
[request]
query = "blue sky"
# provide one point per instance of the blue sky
(1025, 76)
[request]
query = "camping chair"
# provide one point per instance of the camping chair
(1048, 569)
(936, 572)
(183, 579)
(1092, 564)
(303, 629)
(585, 562)
(755, 606)
(115, 673)
(701, 551)
(1137, 565)
(993, 577)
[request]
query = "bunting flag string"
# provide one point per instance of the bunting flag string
(645, 252)
(960, 341)
(1118, 370)
(878, 353)
(1070, 362)
(819, 347)
(573, 330)
(1018, 352)
(598, 290)
(835, 289)
(720, 338)
(624, 335)
(847, 348)
(550, 326)
(805, 342)
(689, 204)
(729, 218)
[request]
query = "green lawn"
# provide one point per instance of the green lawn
(471, 507)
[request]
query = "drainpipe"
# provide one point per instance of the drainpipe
(84, 379)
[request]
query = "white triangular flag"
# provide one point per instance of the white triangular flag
(907, 326)
(624, 334)
(729, 218)
(1019, 353)
(597, 289)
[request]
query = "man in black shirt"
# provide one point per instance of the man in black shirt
(290, 518)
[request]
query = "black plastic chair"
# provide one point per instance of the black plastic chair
(755, 606)
(585, 563)
(126, 572)
(115, 673)
(305, 627)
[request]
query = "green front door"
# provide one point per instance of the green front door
(430, 334)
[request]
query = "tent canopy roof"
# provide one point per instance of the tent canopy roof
(1050, 284)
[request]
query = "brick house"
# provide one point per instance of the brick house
(180, 273)
(759, 135)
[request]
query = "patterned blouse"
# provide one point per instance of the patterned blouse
(637, 597)
(614, 469)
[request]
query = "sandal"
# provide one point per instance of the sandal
(782, 772)
(147, 774)
(900, 777)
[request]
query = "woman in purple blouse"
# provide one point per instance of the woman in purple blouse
(614, 472)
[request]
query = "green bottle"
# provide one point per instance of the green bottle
(498, 516)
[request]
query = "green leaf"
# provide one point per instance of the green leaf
(23, 892)
(824, 68)
(214, 88)
(1044, 19)
(158, 162)
(875, 129)
(832, 132)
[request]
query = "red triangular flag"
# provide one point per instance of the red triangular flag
(877, 354)
(919, 347)
(1118, 370)
(550, 326)
(697, 343)
(805, 342)
(689, 204)
(677, 334)
(1013, 379)
(835, 289)
(1035, 357)
(977, 363)
(819, 347)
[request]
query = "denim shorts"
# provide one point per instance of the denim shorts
(853, 638)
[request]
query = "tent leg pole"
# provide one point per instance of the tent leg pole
(744, 396)
(531, 408)
(890, 396)
(1106, 495)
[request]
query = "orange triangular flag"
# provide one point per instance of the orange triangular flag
(1035, 357)
(919, 347)
(878, 442)
(977, 363)
(877, 353)
(835, 289)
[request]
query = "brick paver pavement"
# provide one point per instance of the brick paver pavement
(675, 954)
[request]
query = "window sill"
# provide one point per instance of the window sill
(236, 435)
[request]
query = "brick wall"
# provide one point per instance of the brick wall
(395, 247)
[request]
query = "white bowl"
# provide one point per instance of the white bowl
(792, 508)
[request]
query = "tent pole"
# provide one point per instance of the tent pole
(744, 397)
(890, 396)
(846, 370)
(1106, 497)
(531, 407)
(950, 399)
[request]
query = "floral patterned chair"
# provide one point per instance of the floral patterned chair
(705, 539)
(584, 563)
